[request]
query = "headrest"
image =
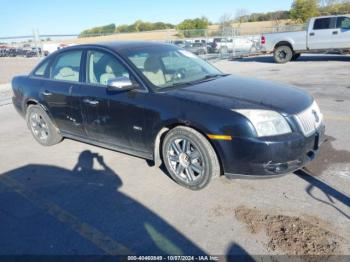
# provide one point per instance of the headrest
(66, 71)
(152, 64)
(109, 69)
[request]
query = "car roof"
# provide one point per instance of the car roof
(121, 45)
(331, 16)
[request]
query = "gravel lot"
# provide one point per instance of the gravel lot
(10, 66)
(118, 204)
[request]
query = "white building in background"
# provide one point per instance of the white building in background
(49, 48)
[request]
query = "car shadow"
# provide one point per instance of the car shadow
(51, 210)
(237, 253)
(302, 58)
(330, 193)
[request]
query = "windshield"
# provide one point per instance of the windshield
(166, 66)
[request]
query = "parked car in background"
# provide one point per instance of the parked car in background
(323, 34)
(239, 44)
(179, 43)
(11, 52)
(31, 53)
(2, 52)
(163, 103)
(198, 48)
(223, 45)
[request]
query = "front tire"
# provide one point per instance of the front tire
(189, 158)
(41, 126)
(283, 54)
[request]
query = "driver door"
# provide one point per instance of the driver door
(111, 116)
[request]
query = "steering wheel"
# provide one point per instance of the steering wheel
(179, 74)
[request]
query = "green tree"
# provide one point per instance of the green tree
(194, 27)
(197, 23)
(334, 7)
(100, 30)
(302, 10)
(141, 26)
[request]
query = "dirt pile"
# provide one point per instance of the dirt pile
(292, 235)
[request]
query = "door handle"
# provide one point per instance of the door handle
(335, 32)
(312, 34)
(91, 102)
(47, 93)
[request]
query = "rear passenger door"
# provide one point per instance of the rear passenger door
(321, 33)
(60, 93)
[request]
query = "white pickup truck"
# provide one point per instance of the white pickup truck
(323, 34)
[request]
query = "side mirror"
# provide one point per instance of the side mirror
(120, 84)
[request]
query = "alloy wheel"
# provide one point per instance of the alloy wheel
(282, 54)
(186, 160)
(38, 126)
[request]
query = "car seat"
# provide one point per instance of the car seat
(153, 71)
(68, 74)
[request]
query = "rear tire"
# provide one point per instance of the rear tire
(189, 158)
(283, 54)
(41, 126)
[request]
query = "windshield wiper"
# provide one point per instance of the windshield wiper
(203, 79)
(208, 78)
(178, 84)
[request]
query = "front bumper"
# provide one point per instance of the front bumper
(270, 156)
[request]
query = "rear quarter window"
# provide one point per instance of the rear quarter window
(41, 70)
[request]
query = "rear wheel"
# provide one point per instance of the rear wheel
(189, 158)
(41, 126)
(283, 54)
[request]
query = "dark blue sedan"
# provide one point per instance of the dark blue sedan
(164, 104)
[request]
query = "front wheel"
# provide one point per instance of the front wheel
(189, 158)
(283, 54)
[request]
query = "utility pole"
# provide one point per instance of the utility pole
(37, 42)
(40, 43)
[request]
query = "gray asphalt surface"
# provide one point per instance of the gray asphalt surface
(74, 198)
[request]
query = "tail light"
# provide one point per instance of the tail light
(263, 40)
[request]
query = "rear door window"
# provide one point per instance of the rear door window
(41, 70)
(323, 23)
(67, 66)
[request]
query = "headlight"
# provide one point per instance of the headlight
(266, 122)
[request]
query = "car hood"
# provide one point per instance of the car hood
(232, 92)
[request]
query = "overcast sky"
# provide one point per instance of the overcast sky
(72, 16)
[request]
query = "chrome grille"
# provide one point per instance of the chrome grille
(310, 119)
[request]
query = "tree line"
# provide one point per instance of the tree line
(138, 26)
(301, 11)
